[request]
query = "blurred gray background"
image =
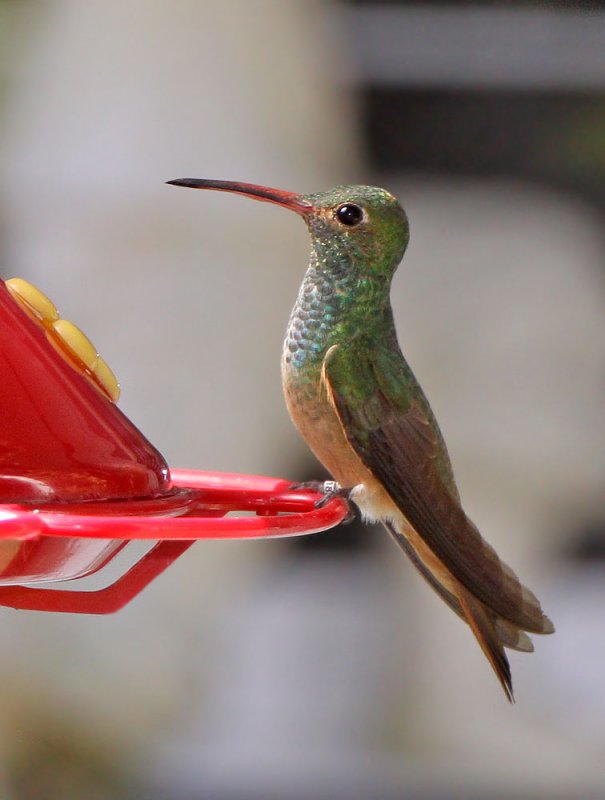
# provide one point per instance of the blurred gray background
(321, 668)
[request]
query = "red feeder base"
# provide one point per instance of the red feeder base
(78, 480)
(59, 543)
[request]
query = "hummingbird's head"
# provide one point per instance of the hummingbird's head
(364, 224)
(361, 227)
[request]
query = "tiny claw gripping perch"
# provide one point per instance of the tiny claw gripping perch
(329, 490)
(78, 481)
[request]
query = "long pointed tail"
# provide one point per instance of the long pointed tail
(486, 634)
(491, 632)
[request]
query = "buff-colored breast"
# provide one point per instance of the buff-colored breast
(318, 424)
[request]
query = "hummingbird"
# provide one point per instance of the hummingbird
(355, 400)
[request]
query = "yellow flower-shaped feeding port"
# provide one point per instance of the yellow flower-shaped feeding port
(65, 337)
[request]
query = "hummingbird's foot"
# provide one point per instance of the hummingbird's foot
(329, 490)
(320, 487)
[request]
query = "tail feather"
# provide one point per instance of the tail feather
(510, 636)
(489, 641)
(493, 633)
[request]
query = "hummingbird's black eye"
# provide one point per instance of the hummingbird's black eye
(349, 214)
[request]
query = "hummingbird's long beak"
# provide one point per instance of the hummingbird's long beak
(262, 193)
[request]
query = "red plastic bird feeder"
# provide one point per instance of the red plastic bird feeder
(78, 481)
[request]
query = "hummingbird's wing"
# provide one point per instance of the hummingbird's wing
(389, 424)
(387, 421)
